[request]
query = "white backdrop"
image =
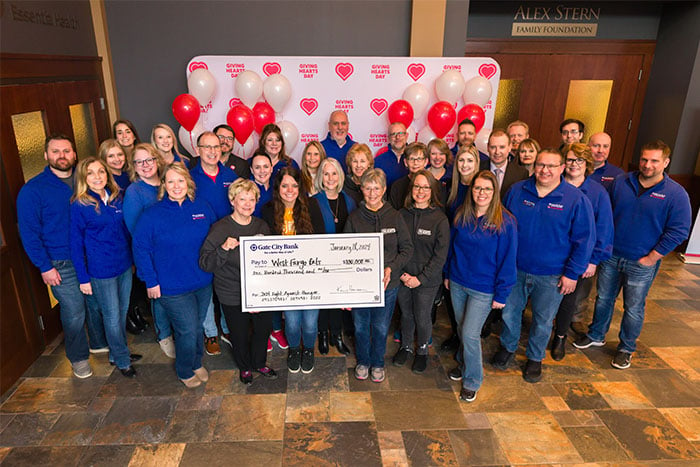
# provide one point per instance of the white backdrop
(364, 87)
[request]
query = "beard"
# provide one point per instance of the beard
(62, 164)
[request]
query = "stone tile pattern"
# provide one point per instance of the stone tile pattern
(582, 412)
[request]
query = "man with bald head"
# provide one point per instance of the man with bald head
(604, 173)
(338, 142)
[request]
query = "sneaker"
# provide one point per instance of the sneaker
(202, 374)
(82, 369)
(420, 363)
(212, 346)
(100, 350)
(307, 361)
(377, 375)
(455, 374)
(294, 360)
(279, 339)
(585, 342)
(167, 345)
(467, 395)
(397, 336)
(502, 359)
(430, 342)
(246, 377)
(192, 382)
(361, 372)
(532, 372)
(622, 360)
(402, 356)
(269, 345)
(267, 372)
(227, 338)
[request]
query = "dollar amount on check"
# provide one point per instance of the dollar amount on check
(312, 271)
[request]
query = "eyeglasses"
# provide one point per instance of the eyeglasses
(482, 189)
(210, 148)
(421, 188)
(540, 166)
(142, 162)
(416, 159)
(569, 132)
(397, 133)
(225, 138)
(578, 161)
(371, 189)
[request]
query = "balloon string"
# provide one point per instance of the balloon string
(191, 143)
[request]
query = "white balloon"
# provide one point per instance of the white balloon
(277, 91)
(249, 87)
(245, 150)
(411, 135)
(189, 140)
(290, 134)
(202, 85)
(418, 97)
(477, 91)
(482, 140)
(449, 86)
(426, 135)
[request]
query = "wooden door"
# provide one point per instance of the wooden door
(28, 113)
(543, 77)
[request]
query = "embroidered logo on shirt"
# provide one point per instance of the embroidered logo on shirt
(657, 195)
(227, 184)
(606, 179)
(424, 232)
(528, 203)
(389, 230)
(558, 207)
(196, 217)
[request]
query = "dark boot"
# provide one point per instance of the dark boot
(337, 342)
(138, 317)
(558, 347)
(323, 342)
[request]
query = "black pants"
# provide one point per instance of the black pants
(249, 350)
(330, 319)
(416, 305)
(570, 305)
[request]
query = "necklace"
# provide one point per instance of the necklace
(335, 211)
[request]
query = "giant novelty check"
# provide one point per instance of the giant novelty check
(312, 271)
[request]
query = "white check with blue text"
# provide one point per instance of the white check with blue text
(301, 272)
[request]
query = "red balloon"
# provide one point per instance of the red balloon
(400, 111)
(186, 111)
(241, 119)
(263, 114)
(473, 112)
(441, 118)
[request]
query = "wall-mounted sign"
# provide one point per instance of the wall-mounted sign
(555, 21)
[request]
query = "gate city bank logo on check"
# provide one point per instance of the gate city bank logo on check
(273, 246)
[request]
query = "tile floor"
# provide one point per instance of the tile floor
(582, 412)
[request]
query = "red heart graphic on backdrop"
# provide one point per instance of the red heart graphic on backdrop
(344, 70)
(194, 65)
(270, 68)
(487, 70)
(415, 70)
(378, 105)
(308, 105)
(234, 101)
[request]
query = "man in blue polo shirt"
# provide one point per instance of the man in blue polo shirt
(651, 213)
(466, 133)
(213, 179)
(338, 142)
(43, 215)
(604, 172)
(391, 161)
(556, 235)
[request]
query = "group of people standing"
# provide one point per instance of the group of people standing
(486, 232)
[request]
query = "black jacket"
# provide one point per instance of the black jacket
(430, 234)
(268, 215)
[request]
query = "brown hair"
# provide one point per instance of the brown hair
(658, 145)
(81, 194)
(160, 163)
(495, 213)
(272, 128)
(307, 180)
(582, 151)
(454, 188)
(300, 211)
(441, 146)
(434, 189)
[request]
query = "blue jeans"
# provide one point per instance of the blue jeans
(371, 328)
(210, 329)
(161, 322)
(186, 313)
(73, 311)
(471, 310)
(276, 320)
(95, 326)
(635, 281)
(545, 296)
(113, 295)
(300, 324)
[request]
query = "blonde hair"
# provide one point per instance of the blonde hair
(456, 176)
(180, 169)
(167, 128)
(359, 148)
(441, 146)
(307, 180)
(241, 185)
(81, 194)
(318, 182)
(373, 176)
(150, 149)
(108, 144)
